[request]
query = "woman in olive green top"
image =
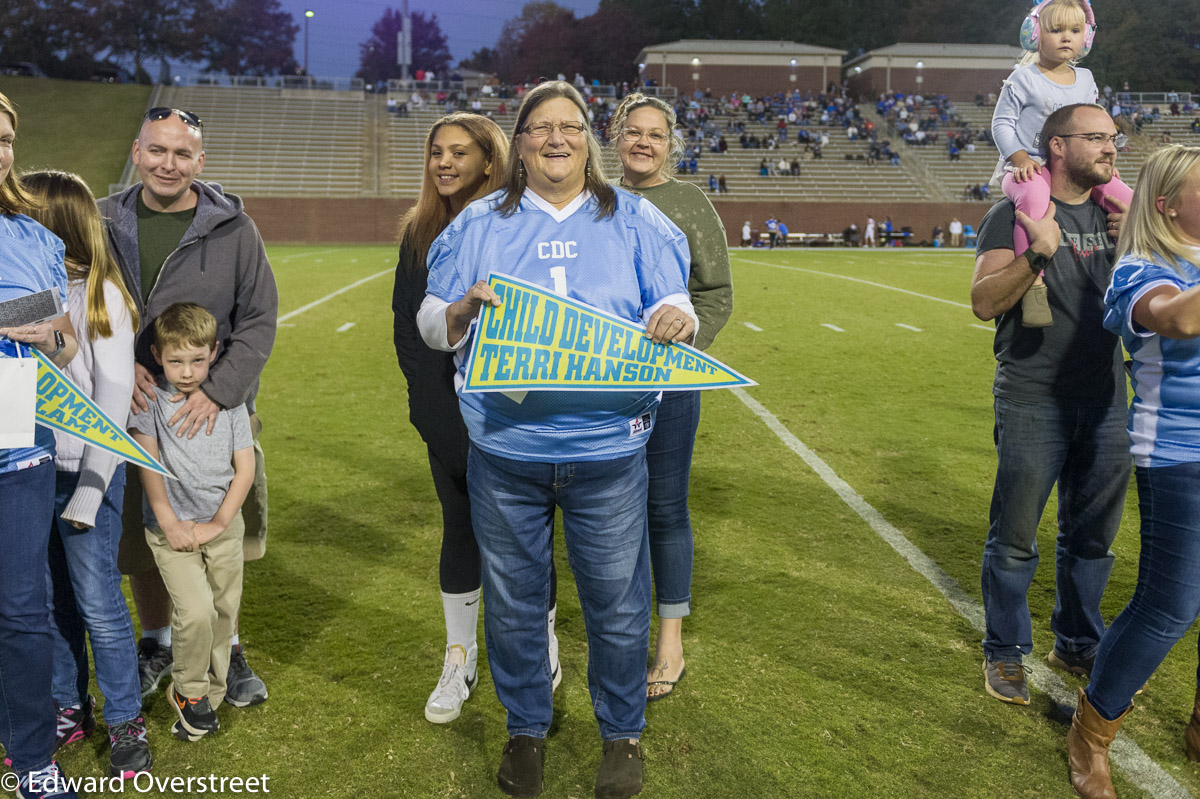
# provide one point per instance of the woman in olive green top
(643, 129)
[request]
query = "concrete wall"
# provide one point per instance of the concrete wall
(311, 220)
(834, 217)
(365, 220)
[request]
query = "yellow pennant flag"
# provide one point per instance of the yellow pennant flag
(539, 340)
(62, 406)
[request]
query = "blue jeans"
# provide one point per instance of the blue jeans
(1167, 598)
(669, 463)
(27, 717)
(604, 524)
(1086, 452)
(86, 598)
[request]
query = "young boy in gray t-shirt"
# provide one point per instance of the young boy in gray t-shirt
(194, 524)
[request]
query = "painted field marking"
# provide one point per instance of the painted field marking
(753, 327)
(834, 328)
(342, 290)
(858, 280)
(306, 254)
(983, 327)
(1127, 755)
(345, 327)
(909, 327)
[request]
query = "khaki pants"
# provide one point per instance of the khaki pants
(133, 555)
(205, 589)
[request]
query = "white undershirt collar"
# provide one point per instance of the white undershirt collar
(556, 214)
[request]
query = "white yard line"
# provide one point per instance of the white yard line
(305, 254)
(345, 327)
(983, 327)
(1126, 755)
(909, 327)
(342, 290)
(857, 280)
(753, 327)
(834, 328)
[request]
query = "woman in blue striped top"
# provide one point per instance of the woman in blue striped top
(1153, 303)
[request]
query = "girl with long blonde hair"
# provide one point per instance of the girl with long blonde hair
(90, 486)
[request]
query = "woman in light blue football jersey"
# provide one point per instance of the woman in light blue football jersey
(31, 261)
(560, 225)
(1153, 303)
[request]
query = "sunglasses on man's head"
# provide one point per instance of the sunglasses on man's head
(162, 112)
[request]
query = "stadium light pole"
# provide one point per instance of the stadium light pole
(308, 14)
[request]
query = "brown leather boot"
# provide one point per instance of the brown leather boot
(1087, 750)
(1191, 735)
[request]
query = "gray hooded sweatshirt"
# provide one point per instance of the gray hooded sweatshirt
(219, 264)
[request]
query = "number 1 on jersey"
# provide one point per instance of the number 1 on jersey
(559, 275)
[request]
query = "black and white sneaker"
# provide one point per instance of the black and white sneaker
(196, 717)
(555, 666)
(130, 754)
(154, 663)
(242, 686)
(75, 723)
(45, 783)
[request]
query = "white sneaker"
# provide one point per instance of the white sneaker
(459, 676)
(555, 668)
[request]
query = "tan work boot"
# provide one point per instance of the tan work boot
(1191, 735)
(1088, 741)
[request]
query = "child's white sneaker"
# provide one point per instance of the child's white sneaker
(459, 677)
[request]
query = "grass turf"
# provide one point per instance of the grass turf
(819, 663)
(85, 128)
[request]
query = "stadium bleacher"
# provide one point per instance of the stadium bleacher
(294, 142)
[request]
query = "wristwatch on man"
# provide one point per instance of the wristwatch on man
(1037, 261)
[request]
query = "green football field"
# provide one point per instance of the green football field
(839, 507)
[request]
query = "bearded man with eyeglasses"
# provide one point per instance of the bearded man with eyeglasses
(1060, 400)
(180, 239)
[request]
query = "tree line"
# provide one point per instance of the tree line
(1154, 46)
(68, 38)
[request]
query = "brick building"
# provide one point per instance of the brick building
(960, 71)
(740, 66)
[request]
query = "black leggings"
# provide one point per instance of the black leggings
(458, 569)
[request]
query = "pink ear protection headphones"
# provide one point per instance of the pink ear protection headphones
(1031, 27)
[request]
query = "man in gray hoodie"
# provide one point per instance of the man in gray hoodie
(179, 239)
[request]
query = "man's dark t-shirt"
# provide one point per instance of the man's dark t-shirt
(1075, 361)
(159, 234)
